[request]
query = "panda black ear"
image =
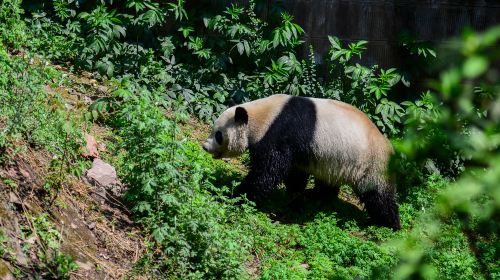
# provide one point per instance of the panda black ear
(241, 115)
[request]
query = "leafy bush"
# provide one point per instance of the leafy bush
(53, 40)
(467, 119)
(366, 88)
(171, 196)
(236, 56)
(197, 232)
(31, 115)
(12, 29)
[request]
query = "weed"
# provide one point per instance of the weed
(53, 263)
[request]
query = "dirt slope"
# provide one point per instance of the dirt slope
(95, 226)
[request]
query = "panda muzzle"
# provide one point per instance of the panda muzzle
(215, 154)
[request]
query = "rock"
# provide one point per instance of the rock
(102, 90)
(304, 266)
(102, 173)
(13, 198)
(5, 271)
(75, 234)
(91, 226)
(85, 265)
(25, 173)
(87, 100)
(9, 224)
(91, 149)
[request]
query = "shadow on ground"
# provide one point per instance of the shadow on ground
(301, 208)
(304, 207)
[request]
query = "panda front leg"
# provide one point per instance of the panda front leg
(268, 167)
(381, 207)
(296, 181)
(325, 191)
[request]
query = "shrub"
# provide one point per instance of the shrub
(170, 195)
(466, 119)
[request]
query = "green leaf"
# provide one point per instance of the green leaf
(334, 42)
(247, 47)
(475, 66)
(432, 52)
(241, 48)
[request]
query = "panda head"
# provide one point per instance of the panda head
(229, 137)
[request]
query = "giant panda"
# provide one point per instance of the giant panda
(290, 138)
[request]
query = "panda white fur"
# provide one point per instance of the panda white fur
(290, 138)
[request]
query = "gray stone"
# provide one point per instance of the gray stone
(304, 266)
(102, 173)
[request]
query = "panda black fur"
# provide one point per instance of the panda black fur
(290, 138)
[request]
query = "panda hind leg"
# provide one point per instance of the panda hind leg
(382, 208)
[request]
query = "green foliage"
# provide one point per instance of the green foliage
(103, 29)
(115, 40)
(366, 88)
(333, 253)
(12, 29)
(170, 194)
(52, 39)
(30, 115)
(464, 117)
(177, 192)
(33, 117)
(53, 263)
(245, 33)
(415, 46)
(247, 58)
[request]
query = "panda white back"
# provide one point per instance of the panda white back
(348, 147)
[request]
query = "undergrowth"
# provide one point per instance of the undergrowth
(33, 117)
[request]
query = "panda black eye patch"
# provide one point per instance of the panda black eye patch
(218, 137)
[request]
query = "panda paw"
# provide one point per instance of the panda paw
(242, 190)
(257, 197)
(297, 204)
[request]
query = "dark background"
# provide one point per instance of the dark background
(381, 22)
